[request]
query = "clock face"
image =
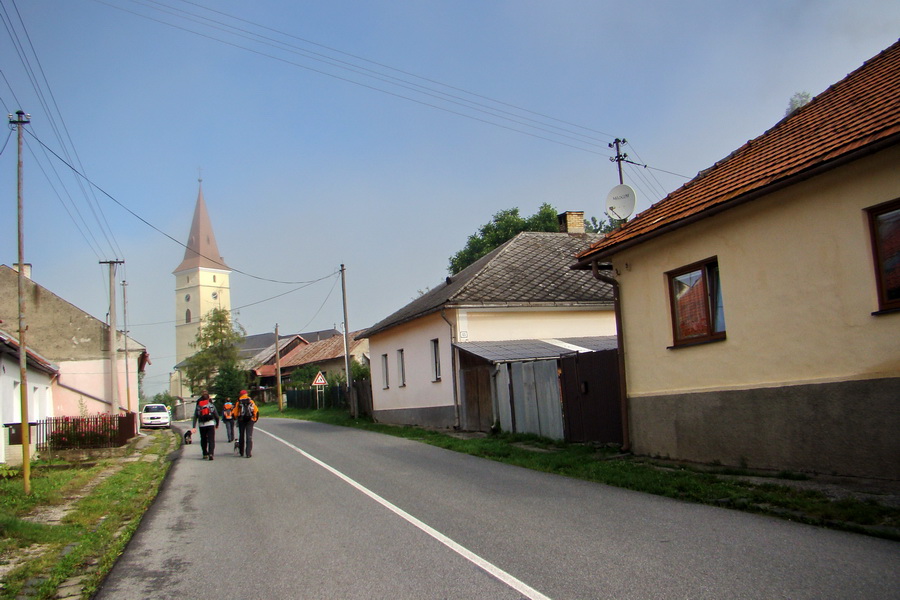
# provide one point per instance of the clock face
(187, 297)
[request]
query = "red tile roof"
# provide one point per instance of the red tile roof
(317, 352)
(856, 116)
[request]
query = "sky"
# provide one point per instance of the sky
(375, 134)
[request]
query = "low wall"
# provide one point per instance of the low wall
(846, 428)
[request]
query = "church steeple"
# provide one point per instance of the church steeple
(201, 284)
(202, 250)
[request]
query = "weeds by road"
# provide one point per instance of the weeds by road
(782, 494)
(69, 531)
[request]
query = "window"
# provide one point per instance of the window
(884, 222)
(698, 314)
(435, 360)
(401, 368)
(384, 371)
(187, 316)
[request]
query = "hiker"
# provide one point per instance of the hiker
(206, 413)
(246, 414)
(228, 419)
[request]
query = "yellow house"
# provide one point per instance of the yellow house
(760, 302)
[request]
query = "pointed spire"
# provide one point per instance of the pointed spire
(202, 250)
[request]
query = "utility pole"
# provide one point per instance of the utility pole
(125, 327)
(113, 343)
(278, 370)
(353, 407)
(619, 157)
(20, 120)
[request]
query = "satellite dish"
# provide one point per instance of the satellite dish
(620, 202)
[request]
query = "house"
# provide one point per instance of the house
(760, 302)
(326, 355)
(40, 376)
(79, 345)
(522, 290)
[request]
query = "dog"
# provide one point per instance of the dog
(187, 437)
(237, 447)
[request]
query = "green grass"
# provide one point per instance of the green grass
(717, 486)
(92, 536)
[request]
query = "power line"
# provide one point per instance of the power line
(151, 225)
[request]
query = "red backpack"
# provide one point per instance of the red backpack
(205, 410)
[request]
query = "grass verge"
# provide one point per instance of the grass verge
(93, 532)
(725, 487)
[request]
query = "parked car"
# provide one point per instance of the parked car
(156, 415)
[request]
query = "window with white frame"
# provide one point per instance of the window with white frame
(698, 313)
(435, 360)
(385, 375)
(401, 368)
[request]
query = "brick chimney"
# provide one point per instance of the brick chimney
(571, 221)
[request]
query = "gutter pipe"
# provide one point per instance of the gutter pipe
(620, 354)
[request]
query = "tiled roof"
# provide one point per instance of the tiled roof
(10, 345)
(531, 269)
(323, 350)
(858, 115)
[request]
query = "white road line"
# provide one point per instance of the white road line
(498, 573)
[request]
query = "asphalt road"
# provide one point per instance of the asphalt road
(328, 512)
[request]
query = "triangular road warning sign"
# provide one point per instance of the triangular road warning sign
(320, 379)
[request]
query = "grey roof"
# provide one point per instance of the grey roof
(531, 269)
(519, 350)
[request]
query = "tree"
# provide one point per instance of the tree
(504, 226)
(606, 225)
(217, 348)
(228, 382)
(797, 100)
(303, 376)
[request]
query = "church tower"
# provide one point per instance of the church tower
(201, 284)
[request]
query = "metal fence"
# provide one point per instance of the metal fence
(98, 431)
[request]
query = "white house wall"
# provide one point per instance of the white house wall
(422, 400)
(40, 401)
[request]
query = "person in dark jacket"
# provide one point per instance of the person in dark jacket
(246, 415)
(205, 412)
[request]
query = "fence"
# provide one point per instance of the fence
(99, 431)
(333, 397)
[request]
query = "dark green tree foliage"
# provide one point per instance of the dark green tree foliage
(504, 226)
(303, 376)
(228, 382)
(217, 347)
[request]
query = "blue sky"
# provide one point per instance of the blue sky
(309, 162)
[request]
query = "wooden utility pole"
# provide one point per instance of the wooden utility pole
(619, 157)
(20, 120)
(278, 370)
(353, 408)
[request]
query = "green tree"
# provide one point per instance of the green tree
(228, 382)
(217, 347)
(302, 376)
(797, 100)
(504, 226)
(605, 225)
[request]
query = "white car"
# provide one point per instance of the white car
(156, 415)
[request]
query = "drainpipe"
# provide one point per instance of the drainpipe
(453, 369)
(620, 342)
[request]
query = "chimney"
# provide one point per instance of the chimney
(571, 221)
(25, 271)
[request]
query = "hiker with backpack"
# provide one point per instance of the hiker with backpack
(228, 419)
(246, 414)
(205, 412)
